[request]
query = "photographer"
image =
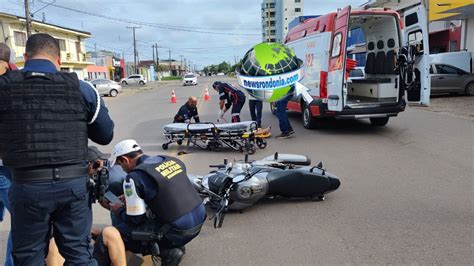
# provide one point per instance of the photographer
(109, 248)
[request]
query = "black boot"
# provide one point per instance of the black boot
(171, 257)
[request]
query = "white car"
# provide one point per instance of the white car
(134, 80)
(190, 79)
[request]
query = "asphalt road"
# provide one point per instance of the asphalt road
(406, 195)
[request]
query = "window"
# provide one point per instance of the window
(431, 69)
(272, 14)
(416, 38)
(20, 38)
(297, 1)
(449, 70)
(336, 45)
(272, 32)
(297, 9)
(411, 19)
(272, 23)
(356, 73)
(62, 44)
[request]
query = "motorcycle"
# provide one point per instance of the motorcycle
(240, 184)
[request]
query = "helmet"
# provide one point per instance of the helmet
(216, 84)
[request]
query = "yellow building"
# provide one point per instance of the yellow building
(71, 42)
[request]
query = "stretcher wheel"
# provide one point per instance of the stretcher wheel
(261, 143)
(179, 142)
(164, 146)
(251, 149)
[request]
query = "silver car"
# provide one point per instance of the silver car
(107, 87)
(134, 80)
(449, 79)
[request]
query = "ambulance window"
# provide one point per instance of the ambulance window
(411, 19)
(336, 45)
(416, 38)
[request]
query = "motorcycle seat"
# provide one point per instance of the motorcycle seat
(287, 158)
(297, 183)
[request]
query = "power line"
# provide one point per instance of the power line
(150, 24)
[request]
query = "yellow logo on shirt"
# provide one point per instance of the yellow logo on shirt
(169, 169)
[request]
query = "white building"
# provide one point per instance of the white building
(276, 14)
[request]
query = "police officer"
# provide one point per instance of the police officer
(229, 96)
(161, 183)
(187, 111)
(47, 117)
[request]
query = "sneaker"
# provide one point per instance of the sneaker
(283, 136)
(171, 257)
(291, 132)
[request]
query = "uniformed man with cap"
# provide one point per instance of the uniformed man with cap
(160, 183)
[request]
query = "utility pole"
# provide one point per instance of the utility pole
(157, 57)
(185, 66)
(153, 49)
(28, 18)
(181, 59)
(135, 54)
(169, 53)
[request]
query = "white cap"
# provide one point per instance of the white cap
(124, 147)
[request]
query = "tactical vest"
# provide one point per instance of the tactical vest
(43, 119)
(176, 195)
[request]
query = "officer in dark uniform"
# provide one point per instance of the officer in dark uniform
(187, 111)
(229, 96)
(46, 118)
(162, 184)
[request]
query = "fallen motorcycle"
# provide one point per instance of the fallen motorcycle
(238, 185)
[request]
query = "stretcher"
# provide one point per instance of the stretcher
(242, 136)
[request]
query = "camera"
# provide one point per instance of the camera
(99, 181)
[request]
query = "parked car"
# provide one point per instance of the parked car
(107, 87)
(190, 79)
(449, 79)
(220, 74)
(134, 80)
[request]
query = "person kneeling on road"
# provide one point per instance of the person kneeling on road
(229, 96)
(162, 184)
(187, 111)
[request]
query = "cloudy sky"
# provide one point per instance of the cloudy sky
(107, 21)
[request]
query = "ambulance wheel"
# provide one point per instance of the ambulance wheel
(261, 143)
(179, 142)
(379, 121)
(273, 108)
(310, 121)
(164, 146)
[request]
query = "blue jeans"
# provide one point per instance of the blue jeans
(256, 111)
(37, 207)
(5, 204)
(285, 126)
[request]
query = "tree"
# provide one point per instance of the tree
(223, 67)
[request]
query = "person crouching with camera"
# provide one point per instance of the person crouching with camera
(161, 184)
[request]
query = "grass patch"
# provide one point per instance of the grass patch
(171, 78)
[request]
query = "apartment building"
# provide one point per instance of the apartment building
(276, 15)
(71, 42)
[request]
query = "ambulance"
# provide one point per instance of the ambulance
(383, 91)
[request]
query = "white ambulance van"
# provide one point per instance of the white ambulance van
(322, 44)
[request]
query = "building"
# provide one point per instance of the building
(451, 22)
(71, 42)
(107, 65)
(276, 15)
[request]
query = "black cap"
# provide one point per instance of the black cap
(93, 154)
(216, 84)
